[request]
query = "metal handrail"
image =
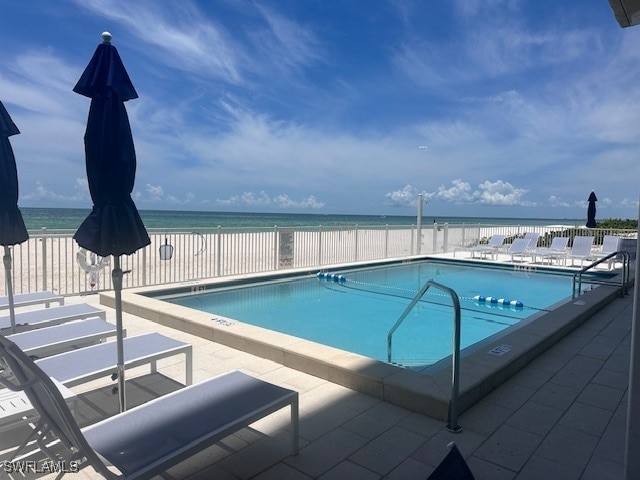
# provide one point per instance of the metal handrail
(452, 424)
(625, 273)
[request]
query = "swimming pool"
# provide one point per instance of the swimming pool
(428, 390)
(354, 309)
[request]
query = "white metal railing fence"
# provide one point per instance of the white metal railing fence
(48, 260)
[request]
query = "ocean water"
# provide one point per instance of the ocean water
(71, 218)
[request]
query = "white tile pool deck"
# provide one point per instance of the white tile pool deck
(562, 416)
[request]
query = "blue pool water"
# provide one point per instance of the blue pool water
(356, 312)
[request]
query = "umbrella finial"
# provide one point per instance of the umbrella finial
(106, 37)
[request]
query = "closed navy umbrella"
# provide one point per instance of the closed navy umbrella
(12, 229)
(591, 211)
(114, 226)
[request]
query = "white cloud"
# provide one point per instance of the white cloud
(263, 199)
(43, 193)
(501, 193)
(155, 192)
(556, 201)
(284, 201)
(181, 36)
(404, 197)
(461, 192)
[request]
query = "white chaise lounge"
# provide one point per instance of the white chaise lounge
(610, 244)
(492, 248)
(581, 249)
(46, 317)
(149, 439)
(29, 299)
(519, 246)
(15, 408)
(533, 238)
(557, 250)
(89, 363)
(46, 341)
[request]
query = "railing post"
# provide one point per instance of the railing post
(386, 241)
(218, 252)
(412, 240)
(319, 245)
(434, 247)
(144, 266)
(356, 242)
(445, 238)
(276, 255)
(44, 259)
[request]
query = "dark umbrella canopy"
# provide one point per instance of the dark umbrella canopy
(114, 226)
(12, 228)
(591, 211)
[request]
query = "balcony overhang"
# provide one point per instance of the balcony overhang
(627, 12)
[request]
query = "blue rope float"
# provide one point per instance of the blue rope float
(332, 277)
(498, 301)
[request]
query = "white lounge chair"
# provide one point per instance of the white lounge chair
(47, 317)
(151, 438)
(46, 341)
(519, 247)
(581, 248)
(15, 408)
(557, 250)
(610, 244)
(495, 242)
(89, 363)
(533, 238)
(30, 299)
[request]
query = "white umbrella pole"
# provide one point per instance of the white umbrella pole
(7, 271)
(116, 274)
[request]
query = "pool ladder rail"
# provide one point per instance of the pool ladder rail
(452, 417)
(624, 278)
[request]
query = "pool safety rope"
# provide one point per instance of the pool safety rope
(478, 299)
(332, 277)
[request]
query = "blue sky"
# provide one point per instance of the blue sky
(320, 106)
